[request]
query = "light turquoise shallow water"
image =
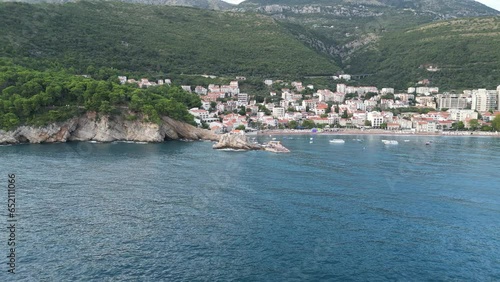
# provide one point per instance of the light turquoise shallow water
(182, 211)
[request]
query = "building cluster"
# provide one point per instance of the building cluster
(144, 82)
(225, 108)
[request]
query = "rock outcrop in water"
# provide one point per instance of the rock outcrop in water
(241, 142)
(236, 142)
(91, 127)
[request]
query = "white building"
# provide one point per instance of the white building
(268, 82)
(404, 97)
(451, 101)
(484, 100)
(123, 79)
(341, 88)
(387, 91)
(427, 90)
(498, 97)
(243, 98)
(278, 112)
(462, 115)
(199, 114)
(200, 90)
(375, 118)
(346, 77)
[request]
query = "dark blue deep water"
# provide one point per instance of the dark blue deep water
(183, 212)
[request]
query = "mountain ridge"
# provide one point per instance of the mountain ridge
(203, 4)
(146, 39)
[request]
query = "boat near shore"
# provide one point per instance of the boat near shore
(390, 142)
(337, 141)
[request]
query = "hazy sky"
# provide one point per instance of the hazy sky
(492, 3)
(495, 4)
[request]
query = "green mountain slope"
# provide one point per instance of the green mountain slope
(146, 39)
(464, 50)
(339, 28)
(451, 7)
(203, 4)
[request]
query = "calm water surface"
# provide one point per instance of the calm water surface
(183, 212)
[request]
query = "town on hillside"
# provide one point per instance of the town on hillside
(420, 109)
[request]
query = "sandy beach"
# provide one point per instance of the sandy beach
(377, 132)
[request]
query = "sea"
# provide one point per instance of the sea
(426, 209)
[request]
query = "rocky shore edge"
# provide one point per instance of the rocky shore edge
(93, 127)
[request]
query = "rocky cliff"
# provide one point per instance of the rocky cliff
(91, 127)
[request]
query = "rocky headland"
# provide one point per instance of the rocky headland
(91, 127)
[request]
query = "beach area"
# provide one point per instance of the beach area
(374, 132)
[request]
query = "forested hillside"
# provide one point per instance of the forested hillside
(38, 98)
(463, 53)
(152, 39)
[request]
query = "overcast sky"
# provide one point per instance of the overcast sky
(492, 3)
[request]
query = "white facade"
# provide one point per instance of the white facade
(452, 102)
(243, 98)
(200, 114)
(341, 88)
(427, 90)
(186, 88)
(462, 115)
(484, 100)
(498, 97)
(123, 79)
(375, 118)
(387, 91)
(278, 112)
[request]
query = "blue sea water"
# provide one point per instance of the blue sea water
(180, 211)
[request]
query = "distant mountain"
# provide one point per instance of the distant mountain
(153, 39)
(341, 27)
(452, 54)
(203, 4)
(445, 7)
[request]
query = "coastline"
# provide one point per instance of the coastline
(378, 132)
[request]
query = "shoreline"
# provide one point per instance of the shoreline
(378, 132)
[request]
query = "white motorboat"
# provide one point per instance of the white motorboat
(390, 142)
(337, 141)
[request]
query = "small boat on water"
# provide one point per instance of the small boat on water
(407, 140)
(390, 142)
(427, 143)
(337, 141)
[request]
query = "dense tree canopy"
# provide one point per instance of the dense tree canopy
(38, 98)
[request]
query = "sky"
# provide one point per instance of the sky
(495, 4)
